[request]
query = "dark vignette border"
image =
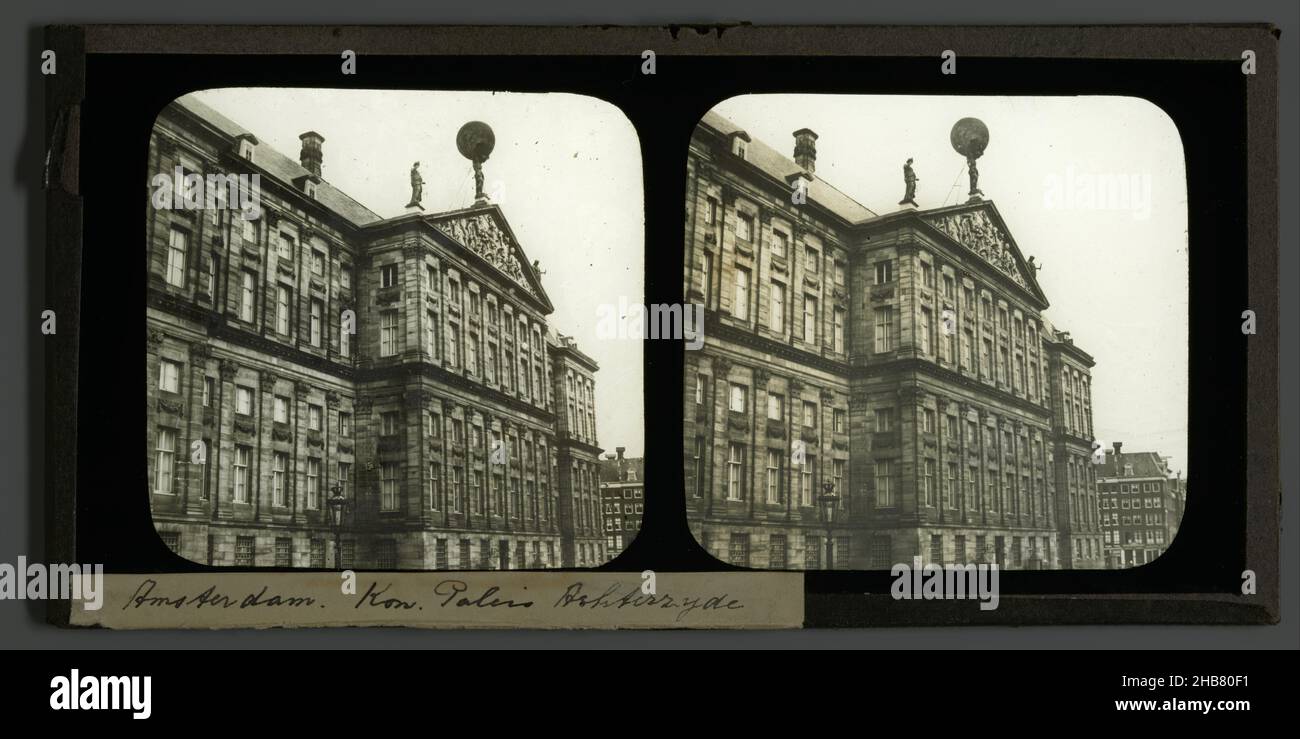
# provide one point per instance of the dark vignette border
(1228, 122)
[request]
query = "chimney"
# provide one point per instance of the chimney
(1118, 446)
(622, 464)
(805, 149)
(310, 156)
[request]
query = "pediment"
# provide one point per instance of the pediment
(483, 233)
(981, 232)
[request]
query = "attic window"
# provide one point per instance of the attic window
(309, 187)
(738, 147)
(246, 149)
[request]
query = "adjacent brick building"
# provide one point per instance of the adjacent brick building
(458, 423)
(1141, 506)
(622, 497)
(904, 358)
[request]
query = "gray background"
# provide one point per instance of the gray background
(21, 209)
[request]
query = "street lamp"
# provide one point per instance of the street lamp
(338, 505)
(829, 502)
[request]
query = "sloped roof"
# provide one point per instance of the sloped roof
(780, 166)
(279, 166)
(1145, 464)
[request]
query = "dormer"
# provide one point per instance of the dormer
(308, 184)
(739, 143)
(246, 144)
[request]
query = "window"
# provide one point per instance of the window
(949, 288)
(250, 232)
(927, 420)
(840, 420)
(389, 422)
(388, 486)
(243, 456)
(243, 401)
(317, 318)
(282, 301)
(209, 390)
(246, 296)
(279, 466)
(777, 552)
(839, 272)
(837, 330)
(929, 484)
(881, 552)
(345, 424)
(386, 554)
(735, 471)
(884, 272)
(314, 415)
(1002, 365)
(739, 398)
(244, 551)
(809, 319)
(811, 260)
(699, 389)
(317, 262)
(884, 321)
(775, 406)
(388, 333)
(283, 552)
(809, 414)
(923, 331)
(773, 476)
(388, 275)
(286, 246)
(837, 471)
(169, 374)
(740, 308)
(806, 480)
(178, 244)
(779, 243)
(776, 311)
(708, 279)
(884, 485)
(453, 293)
(165, 467)
(744, 227)
(739, 550)
(345, 276)
(431, 279)
(711, 211)
(313, 483)
(280, 409)
(884, 419)
(927, 274)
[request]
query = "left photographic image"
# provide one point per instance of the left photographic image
(372, 329)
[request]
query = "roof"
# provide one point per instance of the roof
(609, 472)
(279, 166)
(1145, 464)
(781, 167)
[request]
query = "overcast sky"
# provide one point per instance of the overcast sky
(1116, 278)
(566, 172)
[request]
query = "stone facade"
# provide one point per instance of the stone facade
(904, 359)
(442, 414)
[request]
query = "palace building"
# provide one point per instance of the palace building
(902, 358)
(405, 361)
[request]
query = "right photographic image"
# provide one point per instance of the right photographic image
(938, 330)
